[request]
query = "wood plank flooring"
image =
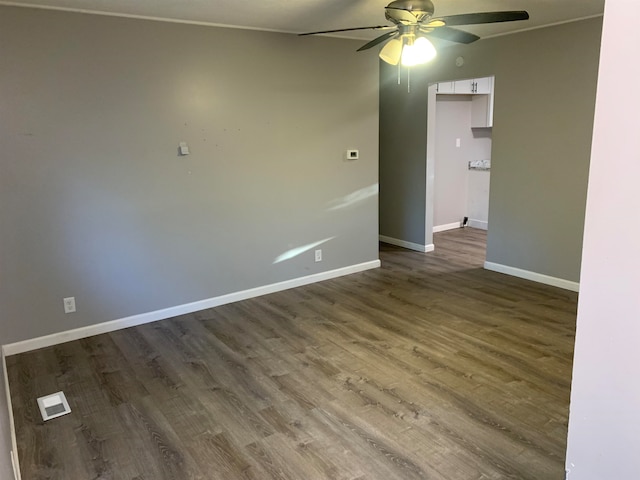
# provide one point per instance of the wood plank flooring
(427, 368)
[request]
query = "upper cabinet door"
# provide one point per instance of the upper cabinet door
(482, 111)
(464, 86)
(445, 87)
(473, 86)
(483, 85)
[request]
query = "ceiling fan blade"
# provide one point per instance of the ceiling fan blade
(484, 17)
(451, 34)
(377, 27)
(378, 40)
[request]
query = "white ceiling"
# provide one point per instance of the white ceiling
(297, 16)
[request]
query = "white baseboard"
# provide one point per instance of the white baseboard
(14, 442)
(536, 277)
(410, 245)
(113, 325)
(447, 226)
(482, 225)
(14, 463)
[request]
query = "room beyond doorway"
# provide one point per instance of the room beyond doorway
(459, 135)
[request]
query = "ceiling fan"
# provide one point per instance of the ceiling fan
(414, 21)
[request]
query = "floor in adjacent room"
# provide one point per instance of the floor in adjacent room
(429, 367)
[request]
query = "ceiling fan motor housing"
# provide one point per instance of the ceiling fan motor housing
(397, 10)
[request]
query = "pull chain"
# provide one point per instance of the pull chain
(408, 77)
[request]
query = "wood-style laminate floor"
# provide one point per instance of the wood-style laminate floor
(427, 368)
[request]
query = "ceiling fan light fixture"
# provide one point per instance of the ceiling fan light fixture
(392, 51)
(421, 51)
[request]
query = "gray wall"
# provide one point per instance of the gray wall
(95, 202)
(457, 190)
(545, 89)
(604, 422)
(402, 154)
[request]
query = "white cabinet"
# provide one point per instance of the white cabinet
(445, 87)
(482, 111)
(473, 86)
(464, 86)
(482, 104)
(483, 86)
(481, 92)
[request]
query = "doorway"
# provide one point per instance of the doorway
(458, 156)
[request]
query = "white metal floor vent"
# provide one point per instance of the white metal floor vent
(54, 405)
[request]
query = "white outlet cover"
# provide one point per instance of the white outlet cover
(53, 406)
(69, 304)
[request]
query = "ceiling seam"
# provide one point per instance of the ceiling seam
(554, 24)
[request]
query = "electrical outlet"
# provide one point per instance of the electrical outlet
(69, 304)
(318, 255)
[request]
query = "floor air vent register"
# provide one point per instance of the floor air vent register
(53, 406)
